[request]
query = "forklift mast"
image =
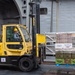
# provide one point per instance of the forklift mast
(35, 15)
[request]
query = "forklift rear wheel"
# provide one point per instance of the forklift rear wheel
(26, 64)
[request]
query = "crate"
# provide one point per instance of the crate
(59, 61)
(72, 61)
(59, 54)
(67, 55)
(73, 55)
(67, 61)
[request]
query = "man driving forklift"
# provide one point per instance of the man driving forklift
(16, 35)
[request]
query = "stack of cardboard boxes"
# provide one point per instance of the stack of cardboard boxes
(65, 48)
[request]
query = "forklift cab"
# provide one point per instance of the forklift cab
(17, 40)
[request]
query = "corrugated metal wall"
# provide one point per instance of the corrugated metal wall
(45, 19)
(66, 16)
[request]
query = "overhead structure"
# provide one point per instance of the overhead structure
(8, 12)
(57, 0)
(23, 8)
(14, 11)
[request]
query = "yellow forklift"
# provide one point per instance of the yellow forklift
(18, 49)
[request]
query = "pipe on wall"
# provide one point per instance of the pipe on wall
(51, 24)
(57, 14)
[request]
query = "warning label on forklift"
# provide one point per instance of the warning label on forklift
(3, 59)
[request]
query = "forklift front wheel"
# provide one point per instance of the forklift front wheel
(26, 64)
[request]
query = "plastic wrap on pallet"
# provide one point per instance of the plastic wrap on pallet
(65, 48)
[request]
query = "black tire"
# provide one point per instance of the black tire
(26, 64)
